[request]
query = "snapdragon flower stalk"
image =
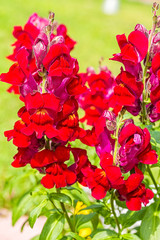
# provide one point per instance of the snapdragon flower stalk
(145, 90)
(49, 83)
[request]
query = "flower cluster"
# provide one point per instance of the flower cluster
(49, 83)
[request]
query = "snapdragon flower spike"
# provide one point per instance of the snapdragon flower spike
(134, 192)
(133, 51)
(135, 147)
(52, 162)
(127, 93)
(100, 180)
(95, 100)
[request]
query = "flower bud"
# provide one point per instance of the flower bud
(40, 48)
(110, 120)
(48, 28)
(51, 16)
(56, 40)
(158, 22)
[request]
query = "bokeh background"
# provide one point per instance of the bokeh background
(95, 33)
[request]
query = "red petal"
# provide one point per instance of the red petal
(126, 132)
(122, 96)
(47, 181)
(122, 40)
(128, 53)
(134, 204)
(70, 177)
(140, 41)
(42, 159)
(156, 62)
(133, 182)
(149, 157)
(55, 51)
(99, 192)
(62, 154)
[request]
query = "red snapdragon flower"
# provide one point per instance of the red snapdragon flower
(96, 99)
(127, 93)
(135, 147)
(134, 192)
(52, 162)
(133, 51)
(42, 109)
(101, 180)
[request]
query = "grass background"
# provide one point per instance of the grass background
(94, 32)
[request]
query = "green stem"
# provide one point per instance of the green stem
(54, 205)
(43, 84)
(152, 177)
(114, 213)
(116, 141)
(66, 214)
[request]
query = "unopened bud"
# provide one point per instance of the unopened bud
(158, 22)
(154, 5)
(90, 70)
(48, 28)
(110, 120)
(51, 16)
(58, 39)
(155, 19)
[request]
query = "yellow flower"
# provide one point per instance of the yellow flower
(79, 209)
(85, 232)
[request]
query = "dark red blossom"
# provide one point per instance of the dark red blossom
(134, 192)
(52, 162)
(101, 180)
(127, 93)
(42, 109)
(133, 51)
(96, 99)
(135, 147)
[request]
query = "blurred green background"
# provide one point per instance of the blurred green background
(94, 32)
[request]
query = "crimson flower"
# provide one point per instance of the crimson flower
(127, 93)
(42, 109)
(96, 99)
(101, 180)
(133, 51)
(134, 192)
(135, 147)
(52, 163)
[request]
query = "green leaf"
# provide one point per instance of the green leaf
(61, 197)
(129, 218)
(94, 206)
(150, 226)
(75, 236)
(130, 236)
(35, 238)
(73, 188)
(24, 205)
(53, 227)
(81, 218)
(36, 212)
(104, 234)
